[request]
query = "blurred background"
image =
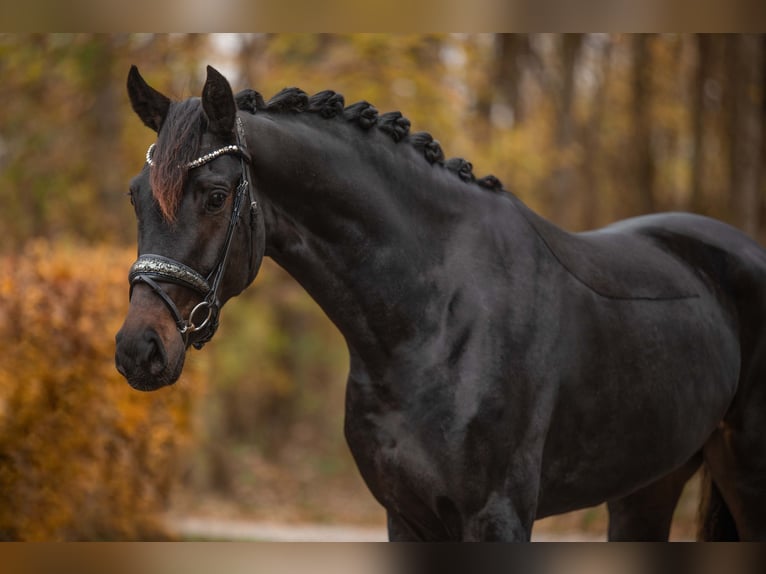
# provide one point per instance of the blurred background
(584, 128)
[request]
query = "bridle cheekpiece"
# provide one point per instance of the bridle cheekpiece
(152, 269)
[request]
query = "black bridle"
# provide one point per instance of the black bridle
(152, 269)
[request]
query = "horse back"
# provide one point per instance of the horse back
(623, 261)
(729, 263)
(659, 257)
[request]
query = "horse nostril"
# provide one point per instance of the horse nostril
(154, 357)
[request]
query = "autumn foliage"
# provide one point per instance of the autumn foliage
(82, 455)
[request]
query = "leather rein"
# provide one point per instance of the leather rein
(152, 270)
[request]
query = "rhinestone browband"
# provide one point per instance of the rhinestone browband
(200, 160)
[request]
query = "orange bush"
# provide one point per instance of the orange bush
(82, 455)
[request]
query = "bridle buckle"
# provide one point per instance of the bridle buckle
(191, 326)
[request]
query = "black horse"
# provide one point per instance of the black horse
(502, 369)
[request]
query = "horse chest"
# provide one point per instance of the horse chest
(424, 456)
(397, 463)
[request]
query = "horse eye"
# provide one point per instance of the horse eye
(215, 200)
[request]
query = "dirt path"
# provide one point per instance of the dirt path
(202, 528)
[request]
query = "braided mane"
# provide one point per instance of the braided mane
(180, 138)
(329, 104)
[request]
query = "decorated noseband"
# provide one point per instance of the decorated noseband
(163, 269)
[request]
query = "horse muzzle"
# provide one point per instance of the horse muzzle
(148, 353)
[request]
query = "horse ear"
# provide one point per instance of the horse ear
(150, 105)
(218, 103)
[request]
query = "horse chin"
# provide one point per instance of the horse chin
(150, 382)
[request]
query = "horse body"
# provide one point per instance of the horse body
(570, 400)
(502, 369)
(554, 386)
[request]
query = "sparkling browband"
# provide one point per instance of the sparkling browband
(166, 269)
(200, 160)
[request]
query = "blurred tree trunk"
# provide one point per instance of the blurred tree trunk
(643, 170)
(103, 123)
(510, 53)
(483, 86)
(251, 58)
(29, 208)
(594, 191)
(747, 84)
(563, 174)
(192, 48)
(703, 46)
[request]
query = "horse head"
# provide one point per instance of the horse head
(201, 236)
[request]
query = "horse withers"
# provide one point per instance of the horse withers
(501, 369)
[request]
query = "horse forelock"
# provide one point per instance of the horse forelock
(178, 143)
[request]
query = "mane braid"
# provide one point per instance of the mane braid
(364, 114)
(249, 101)
(327, 104)
(288, 100)
(491, 183)
(462, 168)
(428, 146)
(395, 125)
(178, 143)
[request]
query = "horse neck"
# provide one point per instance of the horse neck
(370, 229)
